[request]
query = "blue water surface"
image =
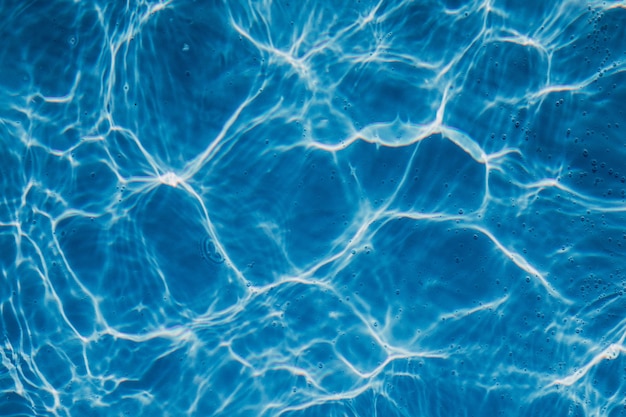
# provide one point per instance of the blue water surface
(312, 208)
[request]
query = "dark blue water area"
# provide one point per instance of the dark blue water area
(312, 208)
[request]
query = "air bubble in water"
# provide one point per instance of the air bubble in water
(210, 251)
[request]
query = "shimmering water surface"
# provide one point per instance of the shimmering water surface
(312, 208)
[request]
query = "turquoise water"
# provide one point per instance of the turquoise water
(312, 208)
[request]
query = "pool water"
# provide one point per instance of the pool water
(312, 208)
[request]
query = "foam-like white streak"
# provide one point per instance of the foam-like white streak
(589, 202)
(610, 353)
(523, 264)
(19, 377)
(9, 362)
(400, 134)
(467, 144)
(197, 163)
(67, 98)
(460, 314)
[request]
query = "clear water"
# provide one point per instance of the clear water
(312, 208)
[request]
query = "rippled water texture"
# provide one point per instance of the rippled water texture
(312, 208)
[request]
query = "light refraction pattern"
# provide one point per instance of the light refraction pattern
(312, 208)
